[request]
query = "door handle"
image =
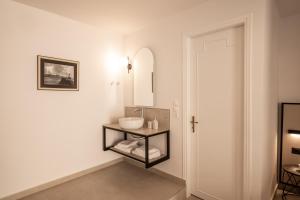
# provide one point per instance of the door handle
(193, 123)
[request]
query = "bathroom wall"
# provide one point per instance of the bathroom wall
(289, 59)
(269, 98)
(45, 135)
(165, 40)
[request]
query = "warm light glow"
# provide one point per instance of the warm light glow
(113, 61)
(125, 61)
(295, 135)
(135, 64)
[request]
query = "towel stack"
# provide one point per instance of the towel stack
(131, 146)
(127, 145)
(153, 152)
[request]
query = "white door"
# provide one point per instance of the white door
(217, 102)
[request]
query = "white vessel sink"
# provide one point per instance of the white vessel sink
(131, 122)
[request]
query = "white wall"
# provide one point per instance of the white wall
(269, 96)
(45, 135)
(165, 39)
(289, 59)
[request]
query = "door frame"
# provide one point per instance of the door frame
(245, 21)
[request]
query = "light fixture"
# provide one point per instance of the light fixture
(129, 66)
(296, 151)
(290, 131)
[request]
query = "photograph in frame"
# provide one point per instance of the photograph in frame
(57, 74)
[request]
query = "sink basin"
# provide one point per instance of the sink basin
(131, 122)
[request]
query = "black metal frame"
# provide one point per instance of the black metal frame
(281, 137)
(146, 161)
(292, 183)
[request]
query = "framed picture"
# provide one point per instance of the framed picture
(57, 74)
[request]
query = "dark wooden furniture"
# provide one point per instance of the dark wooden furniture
(290, 173)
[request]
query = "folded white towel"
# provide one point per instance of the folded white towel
(152, 150)
(151, 156)
(127, 150)
(127, 144)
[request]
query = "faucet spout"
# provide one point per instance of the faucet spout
(142, 111)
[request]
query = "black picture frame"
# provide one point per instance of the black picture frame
(57, 74)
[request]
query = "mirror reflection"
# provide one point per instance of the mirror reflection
(143, 64)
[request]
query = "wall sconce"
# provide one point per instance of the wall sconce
(129, 66)
(293, 131)
(295, 150)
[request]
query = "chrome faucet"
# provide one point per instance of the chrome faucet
(140, 109)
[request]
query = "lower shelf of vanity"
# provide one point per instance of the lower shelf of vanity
(136, 157)
(143, 133)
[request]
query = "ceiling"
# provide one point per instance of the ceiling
(124, 16)
(288, 7)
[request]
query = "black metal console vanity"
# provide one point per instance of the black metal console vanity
(144, 133)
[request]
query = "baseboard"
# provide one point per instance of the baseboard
(157, 171)
(60, 180)
(274, 192)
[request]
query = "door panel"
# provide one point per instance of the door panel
(217, 102)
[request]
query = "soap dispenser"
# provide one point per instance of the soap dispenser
(155, 123)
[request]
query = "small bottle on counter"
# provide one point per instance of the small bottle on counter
(149, 124)
(155, 123)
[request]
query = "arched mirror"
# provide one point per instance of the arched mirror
(143, 64)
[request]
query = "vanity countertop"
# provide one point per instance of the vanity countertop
(141, 131)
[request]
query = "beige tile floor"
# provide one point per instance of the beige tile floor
(122, 181)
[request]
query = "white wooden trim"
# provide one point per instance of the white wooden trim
(246, 22)
(274, 192)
